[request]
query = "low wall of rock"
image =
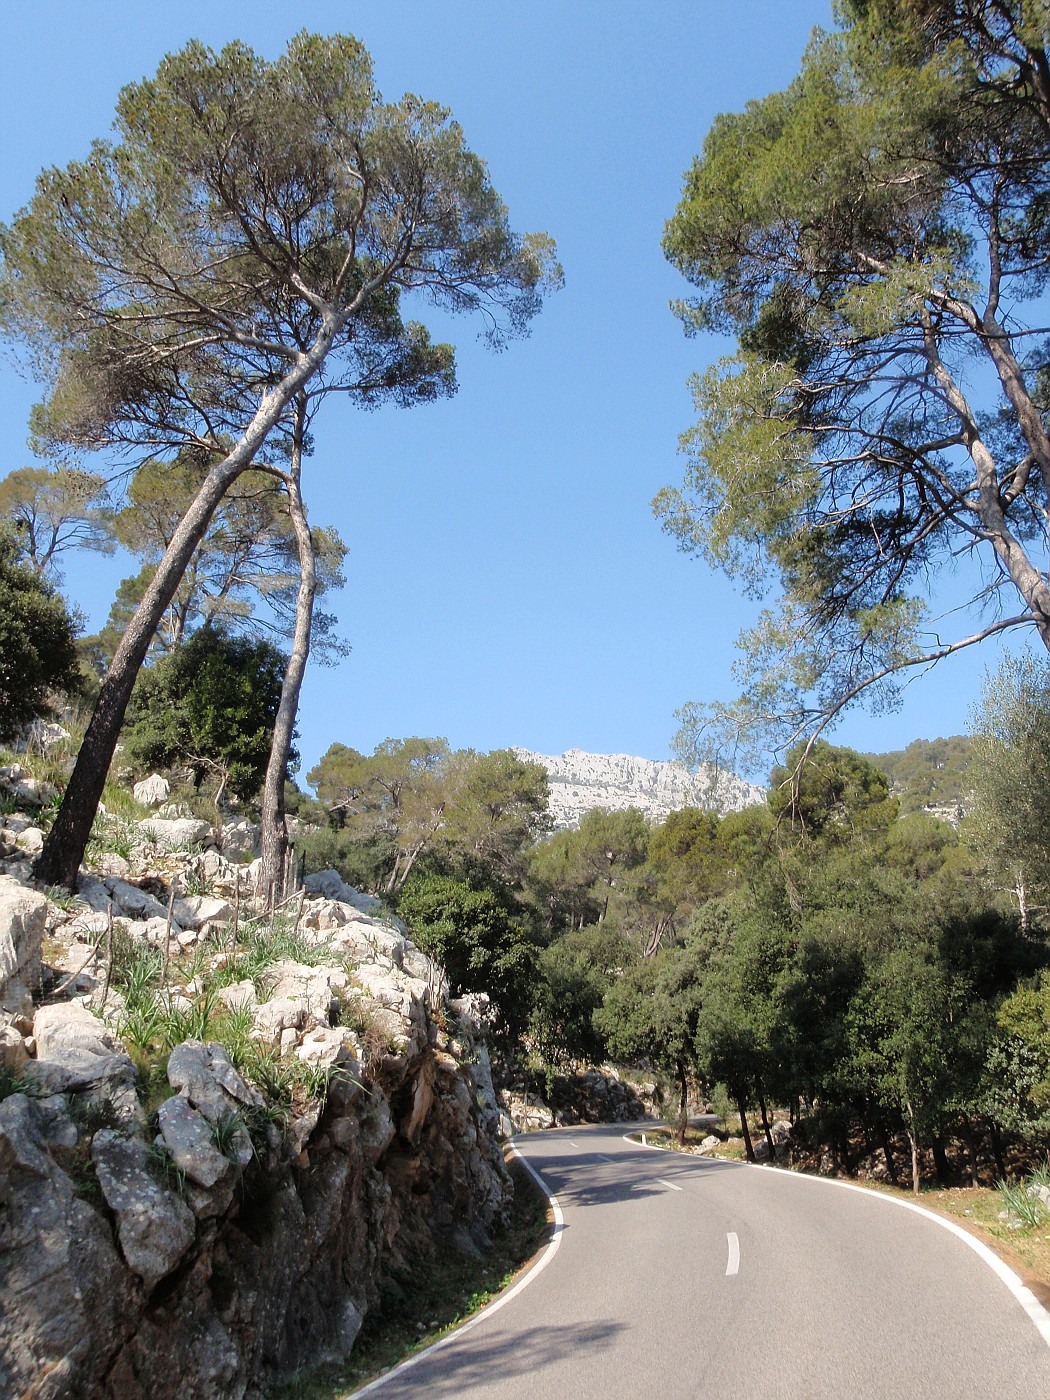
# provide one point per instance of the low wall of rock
(199, 1248)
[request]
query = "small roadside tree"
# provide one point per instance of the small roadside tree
(479, 944)
(209, 706)
(1010, 772)
(37, 647)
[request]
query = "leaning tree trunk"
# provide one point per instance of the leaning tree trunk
(748, 1145)
(913, 1142)
(274, 829)
(683, 1102)
(59, 861)
(766, 1128)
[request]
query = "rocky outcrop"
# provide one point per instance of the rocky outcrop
(588, 1096)
(152, 791)
(23, 914)
(582, 781)
(214, 1244)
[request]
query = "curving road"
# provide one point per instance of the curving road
(676, 1277)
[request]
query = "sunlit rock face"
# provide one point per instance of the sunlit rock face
(580, 781)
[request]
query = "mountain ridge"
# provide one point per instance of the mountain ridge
(580, 781)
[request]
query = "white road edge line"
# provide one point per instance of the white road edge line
(669, 1184)
(494, 1307)
(1022, 1293)
(733, 1263)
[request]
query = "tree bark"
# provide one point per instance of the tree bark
(1022, 901)
(916, 1178)
(748, 1145)
(997, 1150)
(766, 1128)
(887, 1152)
(683, 1102)
(59, 861)
(274, 829)
(940, 1162)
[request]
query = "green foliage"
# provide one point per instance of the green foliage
(244, 574)
(210, 706)
(928, 773)
(827, 791)
(1010, 773)
(55, 509)
(470, 932)
(860, 234)
(576, 875)
(575, 972)
(167, 279)
(262, 943)
(1023, 1204)
(1019, 1061)
(37, 650)
(475, 813)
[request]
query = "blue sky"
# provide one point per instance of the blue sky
(507, 583)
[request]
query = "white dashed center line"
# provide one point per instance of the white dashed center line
(669, 1184)
(733, 1266)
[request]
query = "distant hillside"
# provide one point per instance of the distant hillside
(929, 774)
(580, 781)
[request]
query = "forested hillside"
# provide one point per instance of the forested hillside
(875, 971)
(929, 773)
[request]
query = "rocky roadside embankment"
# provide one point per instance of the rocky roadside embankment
(203, 1217)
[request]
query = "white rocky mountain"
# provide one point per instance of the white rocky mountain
(580, 781)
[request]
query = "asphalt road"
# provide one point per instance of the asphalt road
(677, 1277)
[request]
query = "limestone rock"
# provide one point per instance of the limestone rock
(279, 1021)
(23, 917)
(580, 781)
(331, 885)
(134, 901)
(13, 1050)
(239, 840)
(152, 791)
(40, 735)
(221, 876)
(30, 791)
(31, 841)
(63, 1287)
(238, 994)
(75, 1051)
(94, 894)
(179, 834)
(195, 910)
(154, 1227)
(190, 1140)
(334, 1048)
(204, 1074)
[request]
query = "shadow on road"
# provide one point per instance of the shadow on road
(489, 1363)
(591, 1181)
